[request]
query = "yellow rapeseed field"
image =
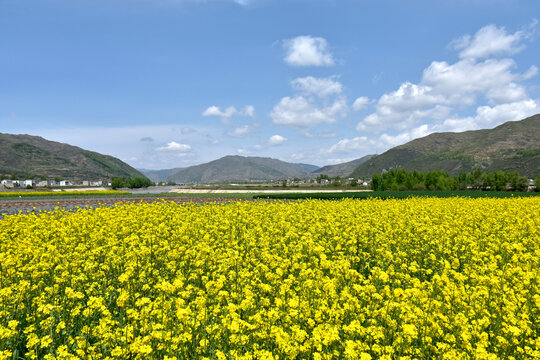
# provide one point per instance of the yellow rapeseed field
(396, 279)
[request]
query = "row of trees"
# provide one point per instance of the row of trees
(401, 179)
(132, 183)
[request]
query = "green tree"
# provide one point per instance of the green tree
(322, 177)
(377, 183)
(462, 181)
(117, 182)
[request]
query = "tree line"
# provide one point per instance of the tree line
(401, 179)
(132, 183)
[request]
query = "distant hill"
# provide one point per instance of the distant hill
(238, 168)
(307, 167)
(343, 169)
(24, 155)
(512, 146)
(159, 175)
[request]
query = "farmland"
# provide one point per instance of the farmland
(292, 195)
(424, 278)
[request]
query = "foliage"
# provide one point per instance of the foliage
(420, 278)
(132, 183)
(398, 194)
(401, 179)
(322, 177)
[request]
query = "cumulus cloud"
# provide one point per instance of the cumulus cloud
(174, 146)
(302, 112)
(276, 140)
(360, 103)
(491, 41)
(320, 101)
(447, 88)
(360, 143)
(230, 111)
(307, 51)
(363, 144)
(321, 87)
(394, 140)
(490, 116)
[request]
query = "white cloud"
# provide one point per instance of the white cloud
(360, 103)
(276, 140)
(360, 143)
(313, 106)
(491, 41)
(307, 51)
(174, 146)
(363, 144)
(243, 151)
(215, 111)
(301, 112)
(395, 140)
(462, 82)
(240, 131)
(488, 117)
(230, 111)
(506, 94)
(321, 87)
(449, 88)
(249, 110)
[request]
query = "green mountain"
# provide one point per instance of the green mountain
(238, 168)
(159, 175)
(26, 155)
(512, 146)
(343, 169)
(308, 168)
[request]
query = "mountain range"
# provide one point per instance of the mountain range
(512, 146)
(34, 156)
(240, 168)
(343, 169)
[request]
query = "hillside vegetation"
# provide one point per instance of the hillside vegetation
(26, 155)
(239, 168)
(512, 146)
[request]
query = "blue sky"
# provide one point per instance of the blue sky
(173, 83)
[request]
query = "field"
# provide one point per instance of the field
(398, 194)
(39, 194)
(421, 278)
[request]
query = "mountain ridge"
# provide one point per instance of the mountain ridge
(24, 155)
(239, 168)
(342, 169)
(511, 146)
